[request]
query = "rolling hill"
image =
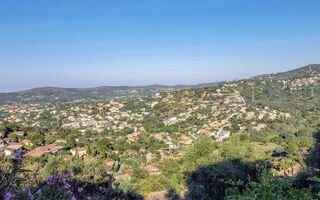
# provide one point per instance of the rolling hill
(57, 93)
(291, 80)
(292, 74)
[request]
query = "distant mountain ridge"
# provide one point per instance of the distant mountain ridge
(58, 93)
(44, 93)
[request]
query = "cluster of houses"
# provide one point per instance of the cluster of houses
(25, 114)
(10, 147)
(303, 82)
(19, 149)
(216, 110)
(309, 79)
(223, 104)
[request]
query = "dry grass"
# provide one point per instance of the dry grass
(260, 147)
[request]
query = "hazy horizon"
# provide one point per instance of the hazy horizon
(79, 44)
(141, 85)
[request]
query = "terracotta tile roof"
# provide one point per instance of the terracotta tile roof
(20, 133)
(40, 151)
(13, 146)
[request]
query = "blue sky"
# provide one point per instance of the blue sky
(77, 43)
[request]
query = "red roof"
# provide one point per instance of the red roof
(13, 146)
(40, 151)
(20, 133)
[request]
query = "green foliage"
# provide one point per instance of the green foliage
(313, 159)
(214, 180)
(244, 136)
(63, 186)
(8, 127)
(37, 138)
(124, 131)
(116, 167)
(201, 148)
(269, 188)
(13, 136)
(151, 122)
(279, 149)
(103, 146)
(140, 173)
(291, 148)
(169, 167)
(9, 168)
(284, 163)
(236, 148)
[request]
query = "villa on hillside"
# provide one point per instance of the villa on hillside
(20, 133)
(13, 149)
(40, 151)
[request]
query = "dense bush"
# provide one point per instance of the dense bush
(63, 186)
(214, 180)
(269, 188)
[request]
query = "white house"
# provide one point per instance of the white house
(13, 149)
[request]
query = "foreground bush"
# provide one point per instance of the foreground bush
(268, 187)
(62, 186)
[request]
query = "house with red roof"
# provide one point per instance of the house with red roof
(40, 151)
(13, 149)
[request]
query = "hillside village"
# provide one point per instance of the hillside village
(217, 112)
(148, 132)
